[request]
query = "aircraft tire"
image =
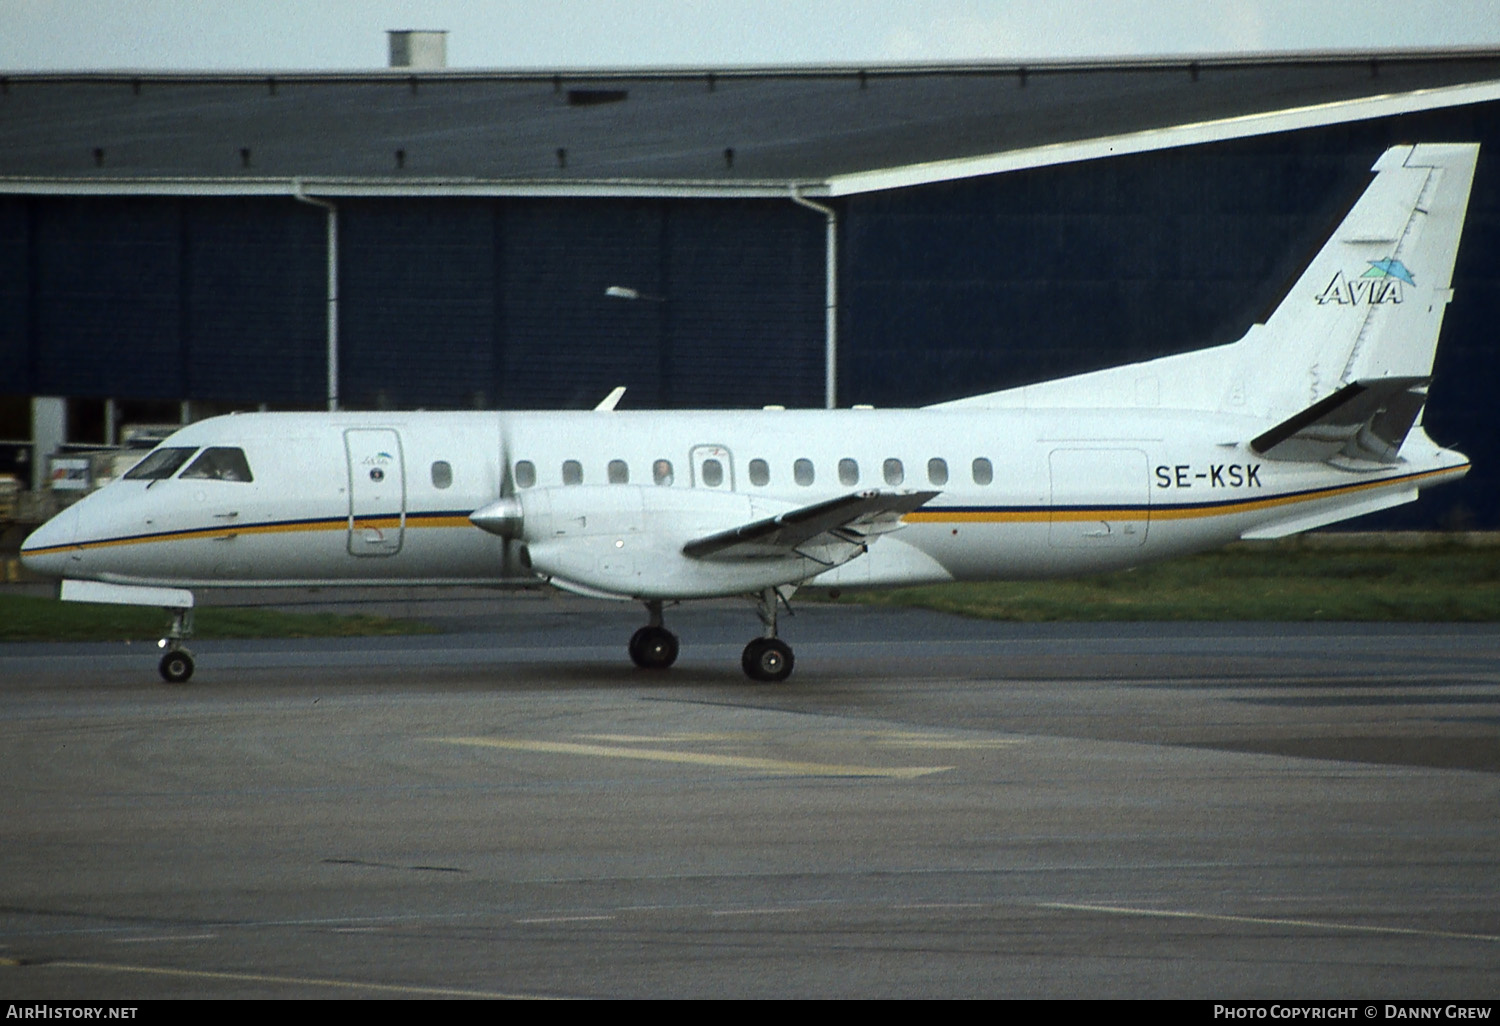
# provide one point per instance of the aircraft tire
(767, 659)
(653, 648)
(176, 666)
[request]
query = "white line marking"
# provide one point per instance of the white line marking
(304, 981)
(155, 940)
(1311, 924)
(743, 762)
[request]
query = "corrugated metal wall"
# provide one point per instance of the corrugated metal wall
(444, 303)
(150, 298)
(15, 297)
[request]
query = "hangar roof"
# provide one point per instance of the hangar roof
(727, 131)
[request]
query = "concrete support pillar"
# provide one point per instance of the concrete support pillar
(49, 430)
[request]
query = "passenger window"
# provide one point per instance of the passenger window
(442, 474)
(525, 474)
(713, 473)
(572, 472)
(984, 472)
(219, 463)
(894, 472)
(760, 473)
(848, 472)
(802, 472)
(619, 473)
(937, 471)
(161, 463)
(661, 472)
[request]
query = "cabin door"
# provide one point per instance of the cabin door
(377, 491)
(1100, 498)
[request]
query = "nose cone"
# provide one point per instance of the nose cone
(506, 518)
(47, 550)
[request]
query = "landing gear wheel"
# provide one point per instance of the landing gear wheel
(653, 648)
(176, 666)
(767, 659)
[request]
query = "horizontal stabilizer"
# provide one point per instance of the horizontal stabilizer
(849, 520)
(1365, 421)
(1337, 514)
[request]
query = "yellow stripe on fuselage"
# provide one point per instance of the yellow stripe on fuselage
(227, 531)
(939, 515)
(1043, 514)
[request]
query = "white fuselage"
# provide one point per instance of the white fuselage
(385, 498)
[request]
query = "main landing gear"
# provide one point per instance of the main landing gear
(176, 665)
(767, 658)
(653, 647)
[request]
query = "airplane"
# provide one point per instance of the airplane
(1311, 418)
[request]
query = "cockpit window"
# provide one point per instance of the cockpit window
(161, 463)
(219, 463)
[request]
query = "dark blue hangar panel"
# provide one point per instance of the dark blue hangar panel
(444, 303)
(987, 231)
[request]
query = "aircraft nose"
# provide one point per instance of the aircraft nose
(46, 550)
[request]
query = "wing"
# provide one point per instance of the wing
(830, 532)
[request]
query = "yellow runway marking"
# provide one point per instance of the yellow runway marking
(895, 739)
(635, 739)
(949, 743)
(305, 981)
(1312, 924)
(743, 762)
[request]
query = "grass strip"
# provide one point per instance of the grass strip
(1440, 584)
(1447, 583)
(27, 618)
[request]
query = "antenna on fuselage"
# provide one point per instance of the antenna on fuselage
(610, 401)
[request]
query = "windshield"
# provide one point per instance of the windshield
(220, 463)
(161, 463)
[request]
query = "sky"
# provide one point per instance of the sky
(65, 35)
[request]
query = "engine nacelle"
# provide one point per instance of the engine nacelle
(626, 540)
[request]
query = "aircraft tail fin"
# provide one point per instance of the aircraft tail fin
(1371, 303)
(1368, 307)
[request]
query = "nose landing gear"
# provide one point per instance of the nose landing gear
(176, 665)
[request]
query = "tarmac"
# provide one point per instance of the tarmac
(930, 807)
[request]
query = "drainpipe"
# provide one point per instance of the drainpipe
(333, 288)
(831, 290)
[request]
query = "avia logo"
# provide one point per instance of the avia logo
(1380, 284)
(378, 459)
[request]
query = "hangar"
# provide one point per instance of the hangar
(174, 245)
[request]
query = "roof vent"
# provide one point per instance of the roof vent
(418, 49)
